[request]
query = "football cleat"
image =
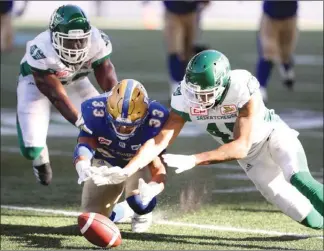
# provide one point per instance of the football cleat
(43, 173)
(141, 223)
(289, 83)
(288, 77)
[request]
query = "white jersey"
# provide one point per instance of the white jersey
(41, 55)
(219, 121)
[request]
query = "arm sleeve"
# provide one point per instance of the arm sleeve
(178, 104)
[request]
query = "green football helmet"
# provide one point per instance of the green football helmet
(206, 77)
(70, 33)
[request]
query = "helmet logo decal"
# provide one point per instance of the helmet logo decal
(127, 97)
(55, 20)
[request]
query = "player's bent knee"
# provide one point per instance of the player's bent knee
(270, 53)
(31, 153)
(136, 204)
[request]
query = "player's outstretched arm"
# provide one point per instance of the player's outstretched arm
(106, 75)
(240, 146)
(82, 155)
(237, 149)
(53, 89)
(153, 147)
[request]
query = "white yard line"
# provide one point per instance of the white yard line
(235, 190)
(170, 223)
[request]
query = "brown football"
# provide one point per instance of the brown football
(99, 230)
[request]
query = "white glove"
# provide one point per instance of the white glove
(181, 162)
(109, 176)
(81, 124)
(83, 168)
(147, 191)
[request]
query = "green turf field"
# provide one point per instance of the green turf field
(213, 207)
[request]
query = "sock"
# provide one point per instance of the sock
(136, 204)
(287, 66)
(43, 158)
(263, 71)
(313, 220)
(264, 66)
(121, 211)
(310, 188)
(176, 67)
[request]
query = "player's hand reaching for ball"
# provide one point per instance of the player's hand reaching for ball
(109, 175)
(181, 162)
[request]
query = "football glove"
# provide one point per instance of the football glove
(181, 162)
(109, 176)
(147, 191)
(81, 124)
(83, 168)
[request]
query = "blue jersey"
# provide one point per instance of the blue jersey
(280, 9)
(6, 6)
(110, 148)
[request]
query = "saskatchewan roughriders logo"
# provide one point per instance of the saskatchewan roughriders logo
(55, 20)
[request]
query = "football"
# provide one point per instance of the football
(99, 230)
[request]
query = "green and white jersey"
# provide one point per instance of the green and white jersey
(219, 121)
(41, 55)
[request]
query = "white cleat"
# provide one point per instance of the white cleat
(128, 212)
(141, 223)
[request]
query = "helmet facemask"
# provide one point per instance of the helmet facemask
(73, 47)
(124, 128)
(203, 99)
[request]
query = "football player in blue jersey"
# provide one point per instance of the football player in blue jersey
(276, 42)
(121, 121)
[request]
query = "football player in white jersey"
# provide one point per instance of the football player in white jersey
(54, 71)
(228, 105)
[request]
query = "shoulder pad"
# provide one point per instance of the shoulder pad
(177, 100)
(243, 85)
(93, 109)
(100, 45)
(40, 54)
(158, 114)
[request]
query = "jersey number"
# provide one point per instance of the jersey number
(213, 130)
(98, 112)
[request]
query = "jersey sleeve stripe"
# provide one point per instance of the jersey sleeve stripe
(184, 115)
(99, 61)
(26, 69)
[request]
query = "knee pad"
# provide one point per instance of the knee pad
(136, 204)
(31, 153)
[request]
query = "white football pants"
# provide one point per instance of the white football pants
(34, 108)
(280, 156)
